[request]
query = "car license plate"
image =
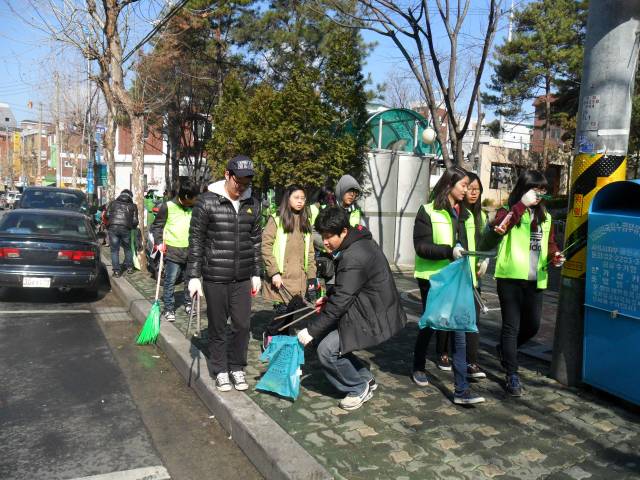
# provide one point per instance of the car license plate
(36, 282)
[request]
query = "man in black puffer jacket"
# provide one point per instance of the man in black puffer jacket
(362, 309)
(122, 217)
(224, 248)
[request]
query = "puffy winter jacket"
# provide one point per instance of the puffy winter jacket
(364, 305)
(224, 245)
(123, 212)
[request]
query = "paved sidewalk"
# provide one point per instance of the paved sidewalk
(406, 432)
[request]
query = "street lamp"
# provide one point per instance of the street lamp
(428, 136)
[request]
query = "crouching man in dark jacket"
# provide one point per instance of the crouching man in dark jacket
(361, 311)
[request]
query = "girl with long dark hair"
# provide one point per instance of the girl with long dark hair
(526, 249)
(287, 251)
(440, 235)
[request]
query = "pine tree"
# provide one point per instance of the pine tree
(542, 56)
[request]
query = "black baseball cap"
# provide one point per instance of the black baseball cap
(241, 166)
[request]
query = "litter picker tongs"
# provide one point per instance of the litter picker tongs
(195, 310)
(476, 294)
(307, 306)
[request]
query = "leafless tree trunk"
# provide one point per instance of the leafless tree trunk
(547, 124)
(411, 28)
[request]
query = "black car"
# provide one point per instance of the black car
(54, 198)
(48, 249)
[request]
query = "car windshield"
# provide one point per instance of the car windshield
(25, 223)
(53, 199)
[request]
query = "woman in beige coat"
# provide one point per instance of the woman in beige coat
(288, 254)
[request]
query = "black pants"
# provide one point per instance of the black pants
(226, 300)
(521, 305)
(425, 334)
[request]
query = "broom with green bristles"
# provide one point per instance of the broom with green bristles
(151, 328)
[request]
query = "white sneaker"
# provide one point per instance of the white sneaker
(170, 316)
(239, 381)
(222, 382)
(353, 402)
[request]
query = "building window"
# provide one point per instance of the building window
(503, 177)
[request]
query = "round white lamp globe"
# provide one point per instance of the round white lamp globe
(428, 136)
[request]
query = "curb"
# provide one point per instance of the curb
(270, 448)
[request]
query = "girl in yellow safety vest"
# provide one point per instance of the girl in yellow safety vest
(287, 252)
(473, 203)
(526, 249)
(441, 234)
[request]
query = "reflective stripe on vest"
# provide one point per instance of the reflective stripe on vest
(176, 228)
(280, 245)
(514, 251)
(442, 230)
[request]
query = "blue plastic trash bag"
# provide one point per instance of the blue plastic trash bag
(450, 303)
(285, 354)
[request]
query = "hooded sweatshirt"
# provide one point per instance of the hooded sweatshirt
(346, 183)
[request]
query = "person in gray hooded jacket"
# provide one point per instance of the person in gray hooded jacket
(347, 192)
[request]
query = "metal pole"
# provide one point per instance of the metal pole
(58, 135)
(610, 62)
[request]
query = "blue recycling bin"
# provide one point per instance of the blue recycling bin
(611, 360)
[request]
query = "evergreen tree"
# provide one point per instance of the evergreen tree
(544, 54)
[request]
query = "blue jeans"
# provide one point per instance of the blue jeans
(120, 236)
(171, 272)
(345, 372)
(458, 349)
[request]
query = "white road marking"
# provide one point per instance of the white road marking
(145, 473)
(41, 312)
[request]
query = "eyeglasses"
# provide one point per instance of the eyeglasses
(473, 190)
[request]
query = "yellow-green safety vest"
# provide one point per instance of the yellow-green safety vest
(176, 228)
(354, 217)
(314, 210)
(280, 245)
(514, 251)
(442, 228)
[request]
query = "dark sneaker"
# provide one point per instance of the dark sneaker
(353, 402)
(129, 271)
(117, 274)
(187, 308)
(372, 385)
(170, 316)
(467, 398)
(223, 383)
(513, 385)
(444, 363)
(239, 381)
(473, 371)
(420, 378)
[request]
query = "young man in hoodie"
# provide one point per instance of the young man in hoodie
(347, 192)
(361, 310)
(224, 248)
(122, 217)
(170, 231)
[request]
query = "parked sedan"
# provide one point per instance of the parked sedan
(48, 249)
(54, 198)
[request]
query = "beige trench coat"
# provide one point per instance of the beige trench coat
(294, 276)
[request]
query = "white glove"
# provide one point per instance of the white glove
(195, 287)
(530, 198)
(458, 251)
(482, 267)
(303, 337)
(256, 283)
(276, 280)
(558, 259)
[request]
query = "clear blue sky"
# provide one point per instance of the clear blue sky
(27, 58)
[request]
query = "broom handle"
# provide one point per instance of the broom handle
(159, 276)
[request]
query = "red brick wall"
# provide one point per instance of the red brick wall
(152, 145)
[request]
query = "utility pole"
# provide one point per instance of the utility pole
(58, 134)
(602, 137)
(39, 148)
